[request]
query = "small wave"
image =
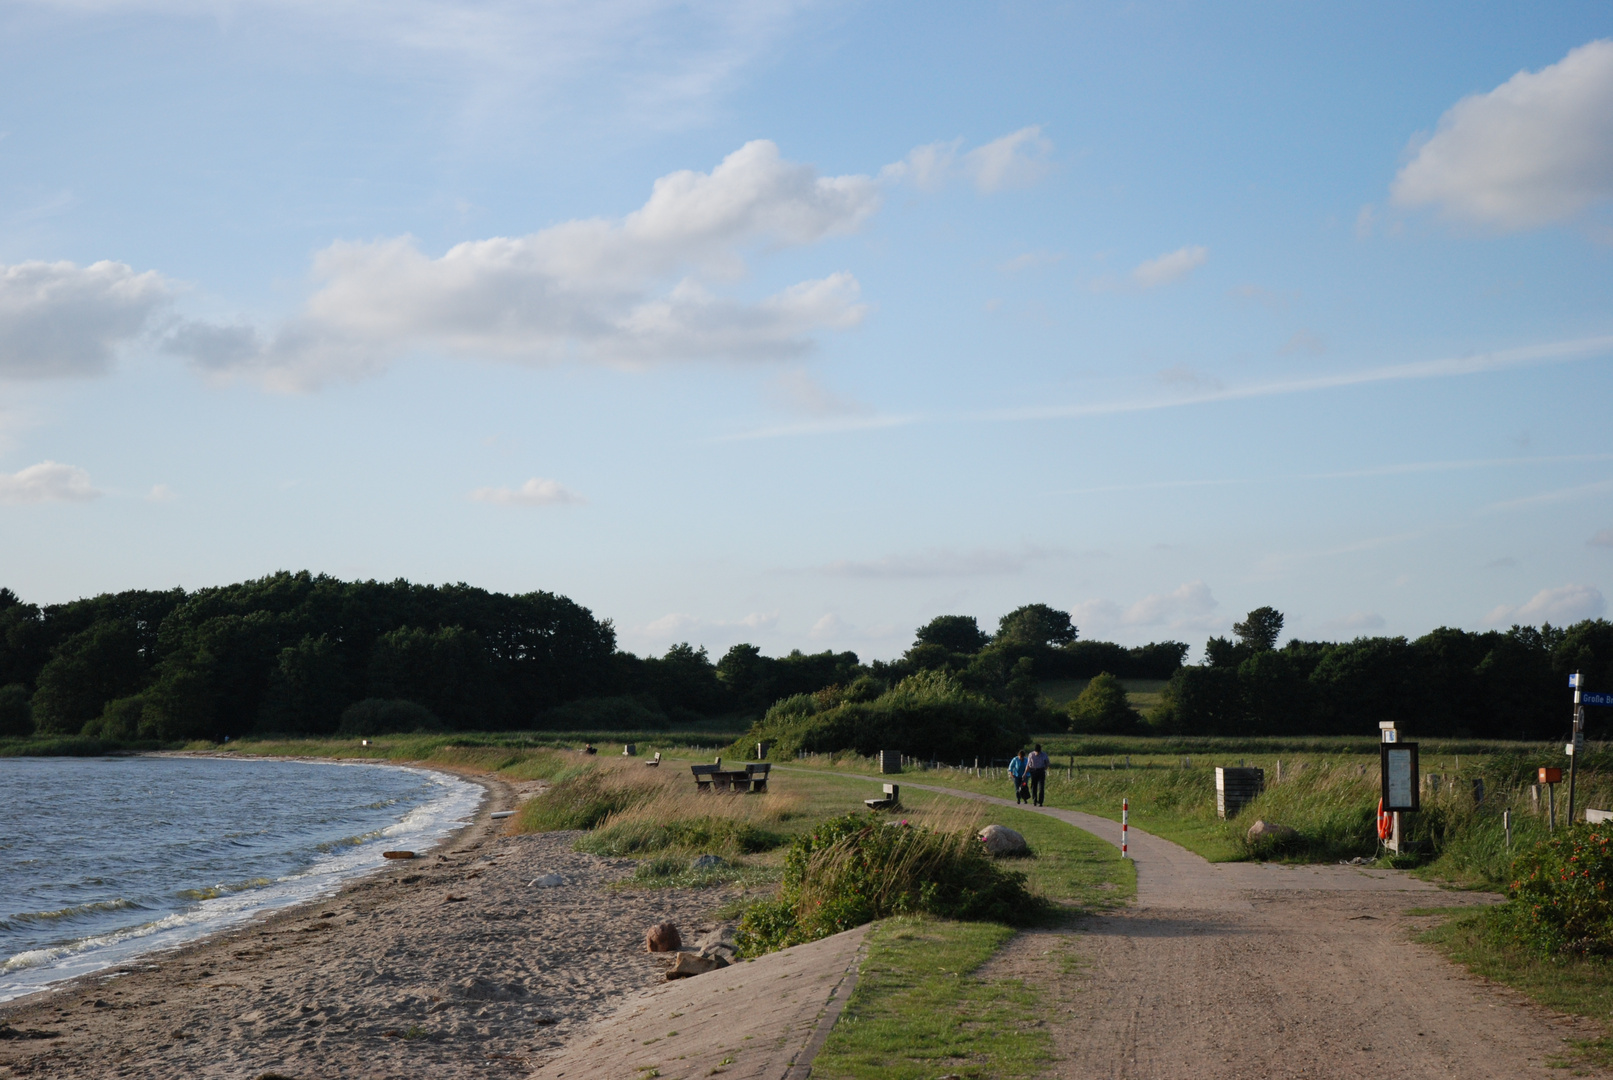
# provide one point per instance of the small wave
(73, 912)
(350, 841)
(216, 891)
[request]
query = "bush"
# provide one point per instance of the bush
(379, 716)
(1102, 709)
(119, 720)
(928, 714)
(1560, 896)
(854, 869)
(16, 715)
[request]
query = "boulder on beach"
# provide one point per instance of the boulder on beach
(547, 881)
(662, 937)
(1001, 840)
(1270, 830)
(719, 944)
(688, 963)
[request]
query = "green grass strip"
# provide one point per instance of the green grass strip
(919, 1011)
(1474, 938)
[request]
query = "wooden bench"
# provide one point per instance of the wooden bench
(654, 761)
(891, 800)
(752, 779)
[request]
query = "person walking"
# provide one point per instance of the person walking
(1016, 769)
(1036, 769)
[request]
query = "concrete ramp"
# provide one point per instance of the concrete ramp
(763, 1019)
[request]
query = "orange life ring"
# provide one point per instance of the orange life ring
(1385, 823)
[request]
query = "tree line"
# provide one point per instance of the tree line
(305, 654)
(1499, 684)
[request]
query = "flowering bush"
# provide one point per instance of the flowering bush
(1561, 901)
(857, 868)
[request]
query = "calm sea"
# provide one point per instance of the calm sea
(104, 859)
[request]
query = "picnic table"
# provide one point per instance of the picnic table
(752, 779)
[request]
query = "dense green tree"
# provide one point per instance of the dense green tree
(1260, 629)
(1102, 709)
(308, 689)
(16, 714)
(89, 669)
(1036, 624)
(954, 633)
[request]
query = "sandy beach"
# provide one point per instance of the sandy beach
(452, 964)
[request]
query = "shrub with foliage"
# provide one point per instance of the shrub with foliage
(854, 869)
(1102, 709)
(1561, 901)
(928, 714)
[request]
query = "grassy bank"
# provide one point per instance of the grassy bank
(1329, 796)
(1579, 986)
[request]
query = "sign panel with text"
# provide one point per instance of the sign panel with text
(1401, 788)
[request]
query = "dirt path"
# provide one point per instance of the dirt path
(1241, 970)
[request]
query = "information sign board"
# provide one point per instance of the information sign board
(1595, 699)
(1398, 762)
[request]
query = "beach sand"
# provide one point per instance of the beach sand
(447, 965)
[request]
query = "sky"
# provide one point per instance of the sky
(802, 323)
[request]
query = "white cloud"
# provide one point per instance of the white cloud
(49, 481)
(1190, 606)
(1604, 538)
(942, 562)
(59, 319)
(161, 493)
(1356, 620)
(1016, 160)
(628, 291)
(679, 625)
(1535, 150)
(1565, 604)
(1303, 341)
(829, 627)
(535, 492)
(1172, 266)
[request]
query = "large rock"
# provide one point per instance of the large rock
(688, 963)
(1001, 840)
(662, 937)
(708, 862)
(719, 944)
(1270, 830)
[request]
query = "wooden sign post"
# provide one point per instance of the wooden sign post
(1397, 762)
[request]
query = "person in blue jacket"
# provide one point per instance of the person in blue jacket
(1017, 769)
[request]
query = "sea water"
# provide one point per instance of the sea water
(105, 860)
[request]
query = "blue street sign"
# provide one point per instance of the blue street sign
(1595, 699)
(1573, 680)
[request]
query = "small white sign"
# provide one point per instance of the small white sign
(1573, 680)
(1391, 735)
(1569, 749)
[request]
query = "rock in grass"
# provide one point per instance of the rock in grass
(1001, 840)
(662, 937)
(708, 862)
(1270, 830)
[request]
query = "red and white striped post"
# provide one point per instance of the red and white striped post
(1125, 811)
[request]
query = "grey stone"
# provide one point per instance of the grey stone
(1001, 840)
(708, 862)
(547, 881)
(1269, 830)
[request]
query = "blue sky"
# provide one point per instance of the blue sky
(802, 323)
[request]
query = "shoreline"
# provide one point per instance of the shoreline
(449, 964)
(447, 829)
